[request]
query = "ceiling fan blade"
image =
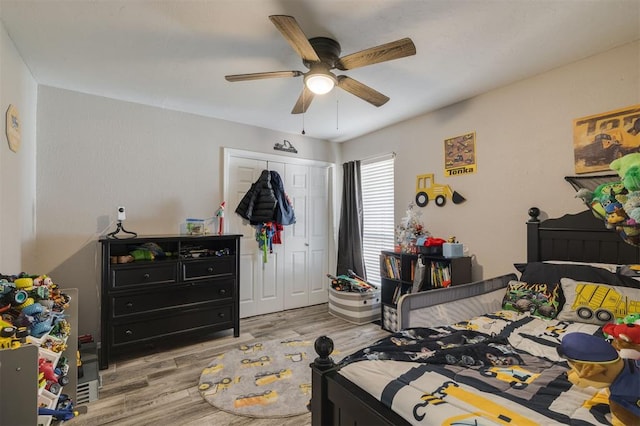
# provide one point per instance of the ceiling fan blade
(262, 75)
(362, 91)
(385, 52)
(288, 26)
(304, 100)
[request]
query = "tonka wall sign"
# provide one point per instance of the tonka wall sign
(460, 155)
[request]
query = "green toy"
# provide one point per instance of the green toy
(628, 168)
(605, 196)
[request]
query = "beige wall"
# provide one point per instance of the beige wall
(17, 170)
(95, 154)
(524, 150)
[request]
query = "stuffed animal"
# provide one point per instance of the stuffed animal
(594, 362)
(628, 168)
(625, 336)
(603, 196)
(632, 207)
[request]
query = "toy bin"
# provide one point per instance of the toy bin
(452, 250)
(356, 308)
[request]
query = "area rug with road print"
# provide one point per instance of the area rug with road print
(261, 379)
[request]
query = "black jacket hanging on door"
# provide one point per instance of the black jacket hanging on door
(284, 214)
(259, 203)
(267, 201)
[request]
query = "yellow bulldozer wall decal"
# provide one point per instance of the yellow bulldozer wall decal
(427, 189)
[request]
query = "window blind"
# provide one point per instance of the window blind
(377, 211)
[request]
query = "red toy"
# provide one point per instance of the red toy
(629, 333)
(625, 336)
(54, 380)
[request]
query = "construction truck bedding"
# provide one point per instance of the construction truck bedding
(496, 369)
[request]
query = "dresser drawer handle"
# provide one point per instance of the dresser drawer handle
(146, 276)
(129, 333)
(129, 305)
(222, 291)
(221, 314)
(210, 269)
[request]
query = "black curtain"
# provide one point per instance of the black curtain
(350, 231)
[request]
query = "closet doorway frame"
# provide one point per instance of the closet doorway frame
(227, 153)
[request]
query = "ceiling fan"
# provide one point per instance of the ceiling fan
(321, 55)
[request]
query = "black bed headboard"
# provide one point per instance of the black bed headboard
(579, 237)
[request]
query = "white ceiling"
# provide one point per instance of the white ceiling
(175, 54)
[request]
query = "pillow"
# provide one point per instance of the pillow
(597, 303)
(540, 272)
(541, 300)
(611, 267)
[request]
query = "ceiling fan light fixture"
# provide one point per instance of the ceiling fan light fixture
(320, 82)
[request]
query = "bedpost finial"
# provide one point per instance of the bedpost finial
(323, 346)
(534, 212)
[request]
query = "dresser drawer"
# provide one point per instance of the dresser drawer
(168, 298)
(207, 268)
(145, 274)
(166, 325)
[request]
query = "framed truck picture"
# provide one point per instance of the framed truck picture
(599, 139)
(460, 155)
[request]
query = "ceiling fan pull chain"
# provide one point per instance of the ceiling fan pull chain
(303, 107)
(337, 115)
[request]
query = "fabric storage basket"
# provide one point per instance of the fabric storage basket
(390, 319)
(357, 308)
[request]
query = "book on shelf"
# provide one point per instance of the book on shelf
(418, 275)
(387, 262)
(440, 274)
(396, 295)
(399, 292)
(392, 265)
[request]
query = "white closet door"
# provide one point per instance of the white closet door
(306, 242)
(318, 235)
(261, 289)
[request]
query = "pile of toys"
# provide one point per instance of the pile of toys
(617, 203)
(351, 283)
(31, 306)
(32, 312)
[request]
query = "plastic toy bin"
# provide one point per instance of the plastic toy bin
(452, 250)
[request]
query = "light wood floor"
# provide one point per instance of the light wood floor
(159, 387)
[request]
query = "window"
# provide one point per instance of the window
(377, 210)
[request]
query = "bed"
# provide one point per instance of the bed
(568, 251)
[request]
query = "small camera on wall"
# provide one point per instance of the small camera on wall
(121, 213)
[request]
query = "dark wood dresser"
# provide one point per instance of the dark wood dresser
(177, 285)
